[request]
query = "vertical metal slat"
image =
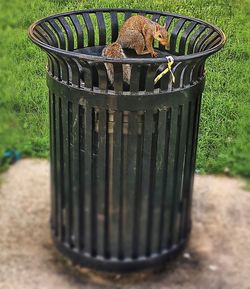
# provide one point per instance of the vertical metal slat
(159, 178)
(146, 157)
(151, 196)
(170, 175)
(180, 173)
(101, 27)
(82, 191)
(52, 160)
(90, 29)
(131, 183)
(59, 32)
(174, 181)
(87, 177)
(101, 181)
(69, 32)
(194, 38)
(175, 33)
(164, 200)
(59, 171)
(51, 35)
(75, 149)
(192, 162)
(138, 185)
(67, 213)
(186, 155)
(184, 37)
(79, 30)
(114, 25)
(114, 132)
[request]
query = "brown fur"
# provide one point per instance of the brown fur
(138, 32)
(114, 50)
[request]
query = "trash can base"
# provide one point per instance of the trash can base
(115, 265)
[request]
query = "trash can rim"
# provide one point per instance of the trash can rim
(87, 57)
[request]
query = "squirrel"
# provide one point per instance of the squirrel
(114, 50)
(137, 32)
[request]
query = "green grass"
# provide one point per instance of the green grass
(224, 128)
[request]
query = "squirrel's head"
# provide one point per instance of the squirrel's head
(162, 35)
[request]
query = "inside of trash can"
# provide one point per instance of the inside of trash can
(97, 51)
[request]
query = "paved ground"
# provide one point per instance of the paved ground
(218, 256)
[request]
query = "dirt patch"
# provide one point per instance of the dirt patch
(217, 257)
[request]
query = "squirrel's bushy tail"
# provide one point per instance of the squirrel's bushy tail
(114, 50)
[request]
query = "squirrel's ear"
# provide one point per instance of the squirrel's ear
(157, 27)
(165, 26)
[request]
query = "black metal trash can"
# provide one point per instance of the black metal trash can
(122, 156)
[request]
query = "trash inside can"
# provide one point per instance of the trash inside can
(122, 153)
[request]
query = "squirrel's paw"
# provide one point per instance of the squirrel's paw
(154, 54)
